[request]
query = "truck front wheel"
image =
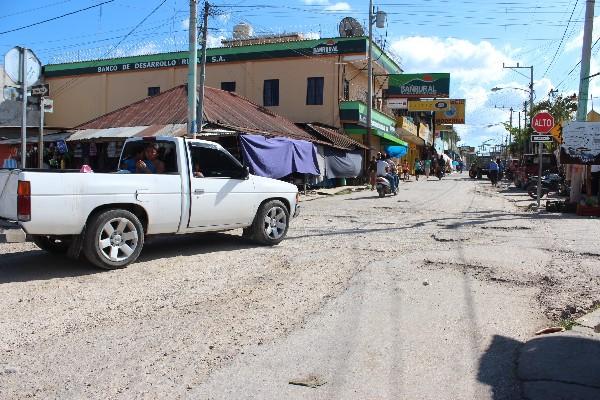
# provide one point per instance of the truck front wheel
(113, 239)
(270, 224)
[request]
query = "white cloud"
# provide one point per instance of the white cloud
(185, 23)
(214, 40)
(339, 6)
(577, 41)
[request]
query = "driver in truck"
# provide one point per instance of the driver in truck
(150, 164)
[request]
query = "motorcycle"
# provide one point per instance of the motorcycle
(550, 183)
(383, 187)
(439, 173)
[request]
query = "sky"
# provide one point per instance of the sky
(470, 39)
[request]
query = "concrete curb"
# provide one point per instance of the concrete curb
(562, 365)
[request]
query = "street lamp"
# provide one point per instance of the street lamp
(377, 19)
(496, 89)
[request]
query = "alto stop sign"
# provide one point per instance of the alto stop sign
(543, 122)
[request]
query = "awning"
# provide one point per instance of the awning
(174, 130)
(353, 114)
(33, 139)
(387, 138)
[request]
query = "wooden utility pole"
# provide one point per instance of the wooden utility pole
(192, 63)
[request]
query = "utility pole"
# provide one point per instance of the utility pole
(200, 116)
(530, 89)
(24, 107)
(370, 80)
(584, 83)
(192, 64)
(509, 132)
(586, 52)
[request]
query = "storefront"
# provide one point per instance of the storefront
(353, 116)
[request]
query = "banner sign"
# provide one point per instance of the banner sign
(454, 115)
(397, 104)
(581, 143)
(417, 86)
(428, 105)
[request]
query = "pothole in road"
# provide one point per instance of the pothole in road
(442, 239)
(507, 228)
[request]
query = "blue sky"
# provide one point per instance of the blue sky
(469, 38)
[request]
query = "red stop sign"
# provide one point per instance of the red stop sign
(543, 122)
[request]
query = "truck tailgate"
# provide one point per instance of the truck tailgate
(8, 193)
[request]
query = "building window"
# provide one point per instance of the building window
(314, 91)
(228, 86)
(271, 92)
(153, 90)
(346, 89)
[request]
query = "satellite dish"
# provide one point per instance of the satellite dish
(350, 27)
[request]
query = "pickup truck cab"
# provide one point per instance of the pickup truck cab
(164, 185)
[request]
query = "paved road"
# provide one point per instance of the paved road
(426, 295)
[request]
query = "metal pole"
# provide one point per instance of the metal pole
(509, 133)
(200, 116)
(41, 138)
(584, 82)
(24, 108)
(192, 64)
(370, 79)
(586, 52)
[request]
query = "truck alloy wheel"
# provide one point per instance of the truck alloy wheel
(270, 223)
(114, 239)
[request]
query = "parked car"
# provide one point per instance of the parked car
(107, 216)
(529, 166)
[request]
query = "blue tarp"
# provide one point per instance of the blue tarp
(278, 157)
(396, 151)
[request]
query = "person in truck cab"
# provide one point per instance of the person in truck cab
(150, 164)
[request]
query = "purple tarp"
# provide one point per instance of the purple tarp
(278, 157)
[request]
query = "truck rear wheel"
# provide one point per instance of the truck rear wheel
(114, 239)
(270, 223)
(51, 244)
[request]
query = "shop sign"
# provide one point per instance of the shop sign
(428, 105)
(397, 104)
(454, 115)
(329, 47)
(581, 143)
(416, 86)
(407, 125)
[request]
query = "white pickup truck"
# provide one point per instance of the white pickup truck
(164, 185)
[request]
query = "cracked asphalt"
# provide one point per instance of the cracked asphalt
(425, 295)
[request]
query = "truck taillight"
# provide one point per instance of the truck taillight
(24, 201)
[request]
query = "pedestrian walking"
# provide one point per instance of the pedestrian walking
(493, 172)
(427, 167)
(418, 168)
(373, 172)
(406, 170)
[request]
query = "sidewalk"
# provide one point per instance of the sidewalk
(563, 365)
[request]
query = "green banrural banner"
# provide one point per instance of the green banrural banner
(418, 86)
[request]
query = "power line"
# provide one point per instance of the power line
(73, 81)
(55, 18)
(561, 40)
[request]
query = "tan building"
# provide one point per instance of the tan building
(304, 80)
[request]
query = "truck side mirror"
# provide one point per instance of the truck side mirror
(246, 173)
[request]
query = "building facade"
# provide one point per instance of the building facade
(306, 81)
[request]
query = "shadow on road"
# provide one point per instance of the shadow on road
(497, 368)
(39, 265)
(36, 265)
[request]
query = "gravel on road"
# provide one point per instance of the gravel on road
(425, 294)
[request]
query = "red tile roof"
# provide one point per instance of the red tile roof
(221, 108)
(335, 137)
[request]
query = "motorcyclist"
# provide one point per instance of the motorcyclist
(383, 169)
(441, 165)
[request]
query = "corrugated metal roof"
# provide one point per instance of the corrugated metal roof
(221, 109)
(336, 138)
(129, 131)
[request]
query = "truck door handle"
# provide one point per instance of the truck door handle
(199, 191)
(139, 194)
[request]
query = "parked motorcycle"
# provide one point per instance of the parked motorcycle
(550, 183)
(383, 187)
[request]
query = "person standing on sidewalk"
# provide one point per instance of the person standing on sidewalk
(493, 172)
(373, 172)
(418, 168)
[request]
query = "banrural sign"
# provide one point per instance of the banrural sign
(417, 86)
